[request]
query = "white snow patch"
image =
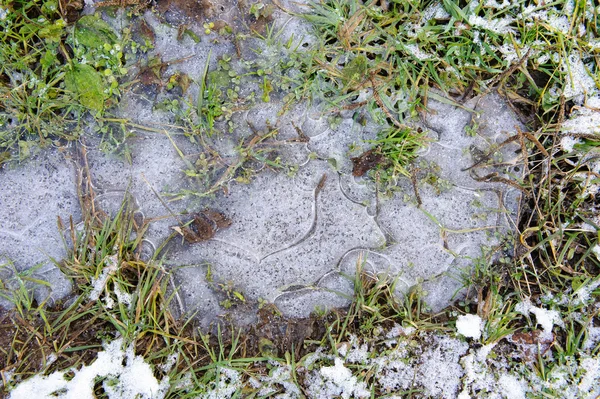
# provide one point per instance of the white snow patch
(509, 52)
(568, 143)
(578, 80)
(358, 353)
(440, 371)
(397, 331)
(6, 376)
(336, 381)
(596, 251)
(469, 325)
(593, 338)
(512, 387)
(134, 379)
(559, 23)
(584, 119)
(499, 25)
(498, 6)
(435, 11)
(122, 296)
(229, 382)
(545, 318)
(281, 376)
(590, 381)
(100, 283)
(51, 358)
(419, 54)
(477, 375)
(582, 295)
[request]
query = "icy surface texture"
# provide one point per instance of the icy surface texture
(298, 245)
(33, 195)
(301, 223)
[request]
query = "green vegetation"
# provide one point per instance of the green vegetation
(386, 57)
(535, 53)
(52, 72)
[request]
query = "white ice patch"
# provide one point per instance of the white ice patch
(135, 379)
(469, 325)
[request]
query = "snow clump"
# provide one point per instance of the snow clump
(469, 325)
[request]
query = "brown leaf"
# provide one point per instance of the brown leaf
(531, 343)
(365, 162)
(204, 226)
(218, 218)
(146, 31)
(69, 9)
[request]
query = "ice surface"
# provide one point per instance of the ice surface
(283, 235)
(33, 195)
(300, 220)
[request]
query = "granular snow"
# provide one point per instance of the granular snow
(545, 318)
(228, 383)
(469, 325)
(126, 376)
(512, 387)
(593, 338)
(582, 295)
(440, 371)
(100, 282)
(336, 381)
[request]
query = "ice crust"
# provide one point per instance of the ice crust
(290, 242)
(33, 195)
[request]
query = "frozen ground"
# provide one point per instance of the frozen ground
(297, 233)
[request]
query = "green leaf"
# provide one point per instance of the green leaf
(53, 32)
(239, 296)
(267, 89)
(86, 83)
(267, 348)
(219, 78)
(355, 71)
(48, 59)
(25, 149)
(93, 32)
(454, 9)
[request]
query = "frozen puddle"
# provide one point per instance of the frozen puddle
(298, 230)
